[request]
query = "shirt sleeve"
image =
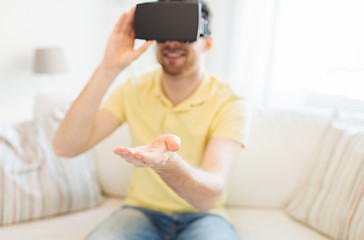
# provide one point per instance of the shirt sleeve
(115, 102)
(233, 122)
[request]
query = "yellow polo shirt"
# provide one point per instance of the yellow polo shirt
(212, 110)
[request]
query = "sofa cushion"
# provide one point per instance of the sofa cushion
(272, 224)
(282, 144)
(114, 173)
(250, 223)
(332, 198)
(35, 183)
(75, 226)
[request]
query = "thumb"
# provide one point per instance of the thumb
(172, 142)
(142, 49)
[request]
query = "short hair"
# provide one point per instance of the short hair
(205, 12)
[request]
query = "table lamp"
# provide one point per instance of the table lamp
(49, 61)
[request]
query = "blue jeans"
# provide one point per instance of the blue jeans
(134, 223)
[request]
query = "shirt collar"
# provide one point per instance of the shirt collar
(199, 96)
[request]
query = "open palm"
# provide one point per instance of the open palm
(153, 154)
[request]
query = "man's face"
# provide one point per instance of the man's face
(178, 58)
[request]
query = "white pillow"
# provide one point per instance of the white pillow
(35, 183)
(332, 198)
(113, 173)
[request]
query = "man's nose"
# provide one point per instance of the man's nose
(173, 43)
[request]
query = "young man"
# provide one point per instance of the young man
(188, 130)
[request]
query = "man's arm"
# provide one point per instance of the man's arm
(84, 124)
(201, 187)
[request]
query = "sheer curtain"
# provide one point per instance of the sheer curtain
(252, 42)
(289, 53)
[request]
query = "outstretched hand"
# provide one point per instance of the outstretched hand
(120, 50)
(152, 155)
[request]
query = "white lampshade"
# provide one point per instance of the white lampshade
(49, 61)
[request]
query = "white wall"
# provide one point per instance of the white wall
(81, 27)
(25, 25)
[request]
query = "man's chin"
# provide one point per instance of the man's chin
(172, 71)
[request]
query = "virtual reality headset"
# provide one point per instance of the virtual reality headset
(170, 21)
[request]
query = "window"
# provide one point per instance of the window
(318, 56)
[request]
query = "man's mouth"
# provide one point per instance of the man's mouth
(171, 54)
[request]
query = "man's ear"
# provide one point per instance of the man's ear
(208, 43)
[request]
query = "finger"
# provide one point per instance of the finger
(130, 158)
(119, 23)
(139, 156)
(142, 49)
(136, 162)
(129, 21)
(123, 151)
(139, 164)
(146, 157)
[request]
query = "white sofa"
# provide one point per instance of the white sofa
(280, 151)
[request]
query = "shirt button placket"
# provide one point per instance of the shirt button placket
(168, 128)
